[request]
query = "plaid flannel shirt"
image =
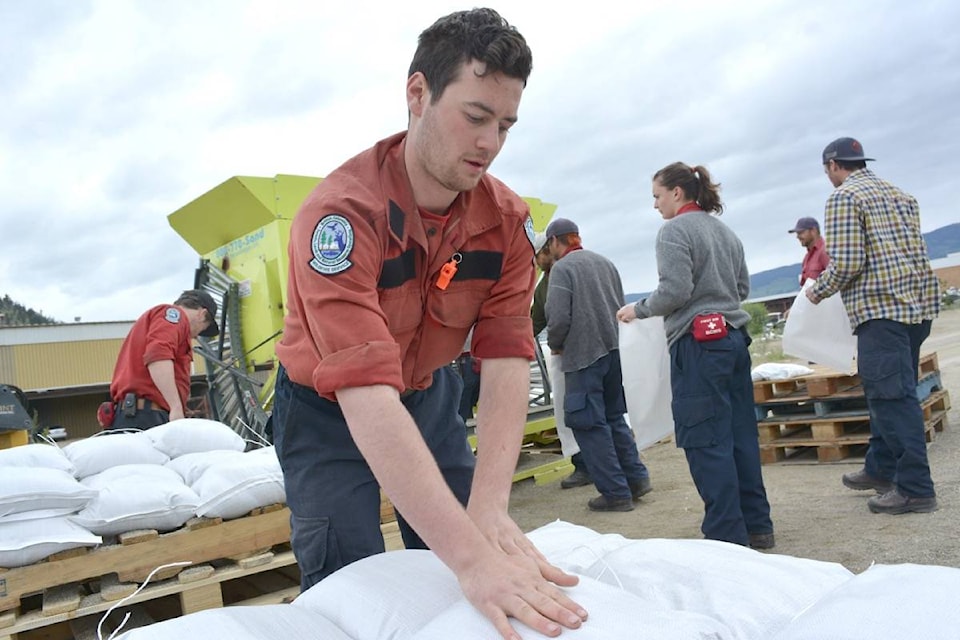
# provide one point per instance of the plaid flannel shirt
(878, 258)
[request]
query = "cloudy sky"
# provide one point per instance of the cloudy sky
(116, 113)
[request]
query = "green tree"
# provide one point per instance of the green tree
(758, 318)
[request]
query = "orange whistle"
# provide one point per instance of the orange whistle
(447, 272)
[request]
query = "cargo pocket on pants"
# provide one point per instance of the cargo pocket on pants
(315, 546)
(578, 412)
(880, 373)
(694, 422)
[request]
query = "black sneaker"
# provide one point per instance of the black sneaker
(579, 478)
(762, 540)
(641, 488)
(863, 481)
(603, 503)
(895, 503)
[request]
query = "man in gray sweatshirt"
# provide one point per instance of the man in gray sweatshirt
(584, 295)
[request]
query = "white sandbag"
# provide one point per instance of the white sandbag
(645, 364)
(23, 543)
(753, 594)
(137, 496)
(779, 371)
(568, 442)
(194, 435)
(97, 453)
(53, 491)
(36, 455)
(235, 486)
(615, 614)
(191, 466)
(267, 622)
(885, 601)
(388, 596)
(820, 332)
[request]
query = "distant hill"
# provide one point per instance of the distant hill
(940, 243)
(15, 314)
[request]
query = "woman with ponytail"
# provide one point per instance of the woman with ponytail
(703, 280)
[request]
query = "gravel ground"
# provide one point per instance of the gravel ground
(814, 515)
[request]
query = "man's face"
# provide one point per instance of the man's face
(199, 320)
(807, 237)
(544, 259)
(455, 139)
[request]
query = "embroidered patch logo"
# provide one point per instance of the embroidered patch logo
(331, 244)
(173, 315)
(528, 227)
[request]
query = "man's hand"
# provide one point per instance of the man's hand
(626, 313)
(504, 534)
(502, 586)
(811, 296)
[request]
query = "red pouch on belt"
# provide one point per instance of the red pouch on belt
(105, 414)
(709, 326)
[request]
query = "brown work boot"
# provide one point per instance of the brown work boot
(579, 478)
(641, 488)
(762, 540)
(603, 503)
(895, 503)
(863, 481)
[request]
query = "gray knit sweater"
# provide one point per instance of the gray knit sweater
(584, 295)
(702, 270)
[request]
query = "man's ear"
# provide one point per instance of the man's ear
(418, 93)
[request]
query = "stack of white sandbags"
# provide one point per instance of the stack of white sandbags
(664, 589)
(116, 482)
(38, 493)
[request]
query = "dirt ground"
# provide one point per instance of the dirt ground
(814, 515)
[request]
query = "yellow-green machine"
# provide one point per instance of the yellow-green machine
(240, 230)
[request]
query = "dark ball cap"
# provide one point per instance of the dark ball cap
(805, 223)
(846, 149)
(561, 227)
(205, 300)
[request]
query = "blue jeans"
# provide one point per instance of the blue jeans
(593, 408)
(888, 356)
(716, 425)
(333, 496)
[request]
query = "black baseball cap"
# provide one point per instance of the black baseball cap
(561, 227)
(845, 149)
(206, 301)
(805, 223)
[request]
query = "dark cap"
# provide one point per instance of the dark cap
(805, 223)
(844, 149)
(205, 300)
(561, 227)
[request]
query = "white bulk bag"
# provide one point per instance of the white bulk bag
(104, 450)
(820, 332)
(191, 466)
(41, 492)
(233, 487)
(645, 364)
(36, 455)
(568, 442)
(23, 543)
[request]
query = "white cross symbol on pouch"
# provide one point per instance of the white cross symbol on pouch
(712, 325)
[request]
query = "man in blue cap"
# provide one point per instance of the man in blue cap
(816, 258)
(880, 266)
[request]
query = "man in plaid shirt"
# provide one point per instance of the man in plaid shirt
(879, 264)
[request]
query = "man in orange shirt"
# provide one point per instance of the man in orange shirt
(816, 258)
(393, 257)
(151, 380)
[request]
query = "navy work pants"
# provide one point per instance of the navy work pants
(716, 425)
(333, 496)
(888, 356)
(593, 408)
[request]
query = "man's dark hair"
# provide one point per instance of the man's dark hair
(477, 34)
(851, 165)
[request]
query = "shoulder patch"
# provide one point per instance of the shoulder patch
(331, 245)
(172, 315)
(528, 227)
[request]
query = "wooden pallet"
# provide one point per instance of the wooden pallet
(824, 383)
(834, 438)
(71, 586)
